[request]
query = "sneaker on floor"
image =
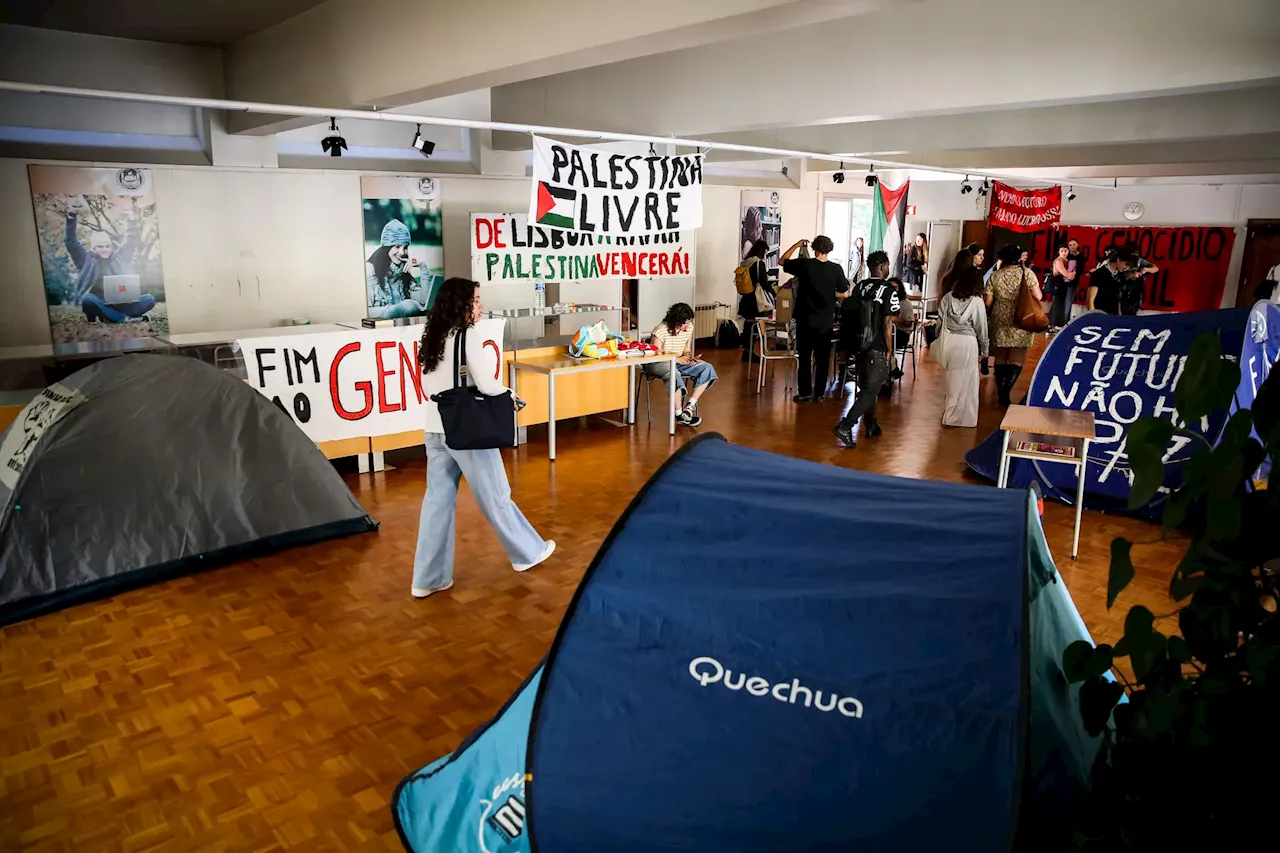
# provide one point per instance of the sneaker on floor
(423, 593)
(542, 558)
(690, 415)
(874, 431)
(684, 419)
(802, 398)
(845, 435)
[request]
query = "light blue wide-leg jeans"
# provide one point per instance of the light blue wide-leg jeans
(433, 562)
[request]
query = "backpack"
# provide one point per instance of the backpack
(861, 316)
(742, 277)
(727, 335)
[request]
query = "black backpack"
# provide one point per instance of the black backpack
(861, 316)
(727, 336)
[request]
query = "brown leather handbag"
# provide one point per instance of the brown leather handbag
(1029, 313)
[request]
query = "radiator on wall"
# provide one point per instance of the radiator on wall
(707, 317)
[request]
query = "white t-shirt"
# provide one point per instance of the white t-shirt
(483, 369)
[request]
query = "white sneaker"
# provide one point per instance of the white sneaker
(542, 558)
(423, 593)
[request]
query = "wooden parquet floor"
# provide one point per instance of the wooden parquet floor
(275, 704)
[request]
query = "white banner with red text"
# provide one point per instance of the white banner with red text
(336, 385)
(507, 247)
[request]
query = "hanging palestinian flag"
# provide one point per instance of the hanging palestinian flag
(889, 224)
(556, 205)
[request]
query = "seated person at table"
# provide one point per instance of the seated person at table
(674, 336)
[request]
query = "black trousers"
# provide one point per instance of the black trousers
(873, 370)
(1063, 296)
(813, 345)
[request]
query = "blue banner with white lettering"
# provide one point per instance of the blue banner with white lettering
(1121, 369)
(1260, 353)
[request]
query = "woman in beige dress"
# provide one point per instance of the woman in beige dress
(1009, 340)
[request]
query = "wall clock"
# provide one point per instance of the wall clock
(1134, 211)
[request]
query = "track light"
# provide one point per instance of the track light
(1071, 193)
(425, 146)
(333, 144)
(872, 180)
(838, 177)
(985, 188)
(966, 187)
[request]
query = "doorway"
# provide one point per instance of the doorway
(1261, 254)
(846, 220)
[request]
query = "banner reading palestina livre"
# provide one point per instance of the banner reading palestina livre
(1024, 210)
(581, 189)
(505, 247)
(1121, 369)
(889, 223)
(403, 245)
(362, 382)
(100, 251)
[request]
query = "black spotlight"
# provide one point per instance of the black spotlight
(425, 146)
(838, 177)
(333, 144)
(871, 179)
(1071, 194)
(985, 188)
(966, 187)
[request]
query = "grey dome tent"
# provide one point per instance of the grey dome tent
(142, 467)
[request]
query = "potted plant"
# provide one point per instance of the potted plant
(1189, 759)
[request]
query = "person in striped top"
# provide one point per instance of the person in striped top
(674, 336)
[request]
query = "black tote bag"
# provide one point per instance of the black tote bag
(472, 420)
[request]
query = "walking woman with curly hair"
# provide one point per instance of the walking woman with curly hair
(457, 308)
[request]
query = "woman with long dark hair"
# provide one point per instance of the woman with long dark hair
(457, 308)
(962, 263)
(917, 266)
(963, 318)
(858, 262)
(748, 309)
(392, 278)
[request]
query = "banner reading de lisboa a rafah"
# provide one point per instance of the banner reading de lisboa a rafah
(361, 382)
(506, 247)
(595, 192)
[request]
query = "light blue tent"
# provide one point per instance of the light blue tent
(819, 659)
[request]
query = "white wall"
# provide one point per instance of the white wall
(249, 248)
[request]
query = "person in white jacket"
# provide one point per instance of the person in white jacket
(457, 307)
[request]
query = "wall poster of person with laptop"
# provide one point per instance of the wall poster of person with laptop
(100, 251)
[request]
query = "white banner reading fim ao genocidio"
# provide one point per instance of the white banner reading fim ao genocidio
(620, 195)
(362, 382)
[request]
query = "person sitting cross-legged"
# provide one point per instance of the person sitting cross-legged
(674, 336)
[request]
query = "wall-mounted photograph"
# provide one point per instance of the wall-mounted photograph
(100, 252)
(403, 245)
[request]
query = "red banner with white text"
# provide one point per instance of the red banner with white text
(1024, 211)
(1193, 261)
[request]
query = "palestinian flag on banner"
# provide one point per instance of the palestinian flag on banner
(557, 206)
(889, 224)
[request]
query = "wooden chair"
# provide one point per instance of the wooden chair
(777, 329)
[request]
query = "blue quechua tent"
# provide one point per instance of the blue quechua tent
(817, 659)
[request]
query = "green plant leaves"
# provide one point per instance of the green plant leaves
(1208, 381)
(1081, 661)
(1146, 443)
(1098, 697)
(1121, 569)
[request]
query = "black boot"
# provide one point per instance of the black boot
(1003, 385)
(1015, 370)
